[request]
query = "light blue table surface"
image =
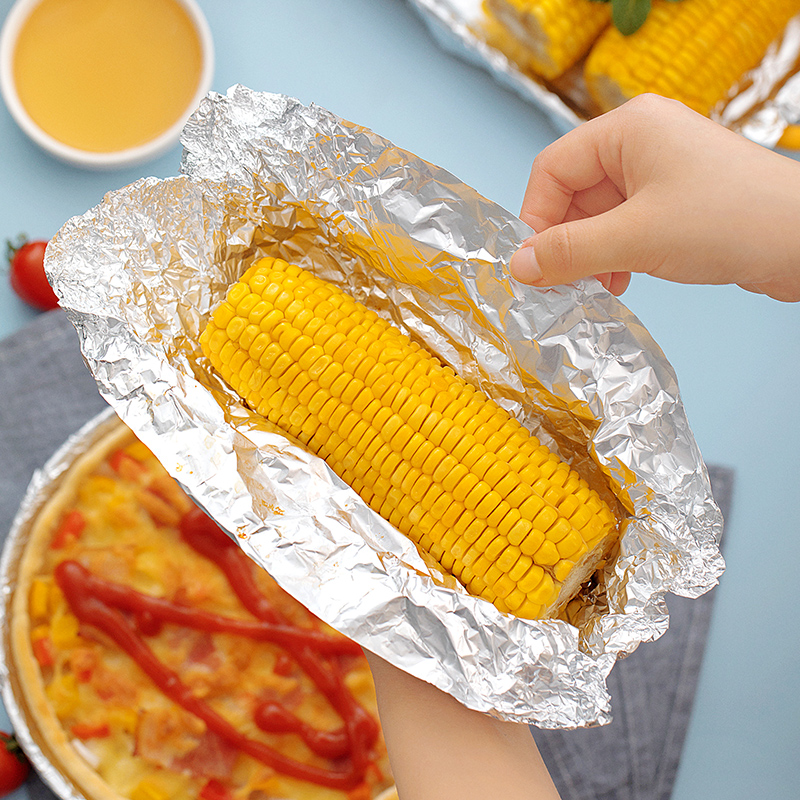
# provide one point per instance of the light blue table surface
(737, 355)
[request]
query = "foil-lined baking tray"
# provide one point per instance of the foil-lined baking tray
(42, 488)
(265, 175)
(760, 106)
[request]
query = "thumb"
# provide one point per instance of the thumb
(606, 243)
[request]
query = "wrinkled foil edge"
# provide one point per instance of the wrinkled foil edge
(137, 278)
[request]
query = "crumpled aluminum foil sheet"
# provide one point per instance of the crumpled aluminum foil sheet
(262, 174)
(43, 486)
(761, 106)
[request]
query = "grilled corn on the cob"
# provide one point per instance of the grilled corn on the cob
(440, 461)
(549, 36)
(693, 51)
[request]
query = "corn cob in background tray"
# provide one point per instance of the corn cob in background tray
(554, 34)
(695, 51)
(692, 50)
(435, 457)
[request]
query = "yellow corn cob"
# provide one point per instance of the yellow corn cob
(435, 457)
(548, 36)
(693, 51)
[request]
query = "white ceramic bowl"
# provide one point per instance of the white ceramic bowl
(83, 158)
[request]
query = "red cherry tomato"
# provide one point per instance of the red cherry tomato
(14, 767)
(27, 275)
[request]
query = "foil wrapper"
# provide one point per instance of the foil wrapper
(760, 106)
(264, 175)
(42, 488)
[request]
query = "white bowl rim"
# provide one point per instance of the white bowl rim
(12, 26)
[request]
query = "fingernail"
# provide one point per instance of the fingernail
(524, 266)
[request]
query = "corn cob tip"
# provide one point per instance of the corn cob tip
(546, 37)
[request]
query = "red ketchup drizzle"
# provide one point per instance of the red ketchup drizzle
(272, 716)
(101, 603)
(361, 730)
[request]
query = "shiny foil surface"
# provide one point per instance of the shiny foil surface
(264, 175)
(760, 106)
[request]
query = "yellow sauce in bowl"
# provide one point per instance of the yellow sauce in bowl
(107, 75)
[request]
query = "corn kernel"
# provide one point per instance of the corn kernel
(147, 790)
(532, 578)
(529, 610)
(547, 554)
(562, 570)
(38, 598)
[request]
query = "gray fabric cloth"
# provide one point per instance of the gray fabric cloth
(636, 756)
(47, 393)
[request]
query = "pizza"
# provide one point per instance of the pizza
(157, 661)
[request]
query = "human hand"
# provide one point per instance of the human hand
(439, 748)
(655, 187)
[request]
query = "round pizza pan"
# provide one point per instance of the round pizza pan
(34, 722)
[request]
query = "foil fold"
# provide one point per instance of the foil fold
(760, 106)
(265, 175)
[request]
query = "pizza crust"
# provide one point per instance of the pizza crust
(42, 720)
